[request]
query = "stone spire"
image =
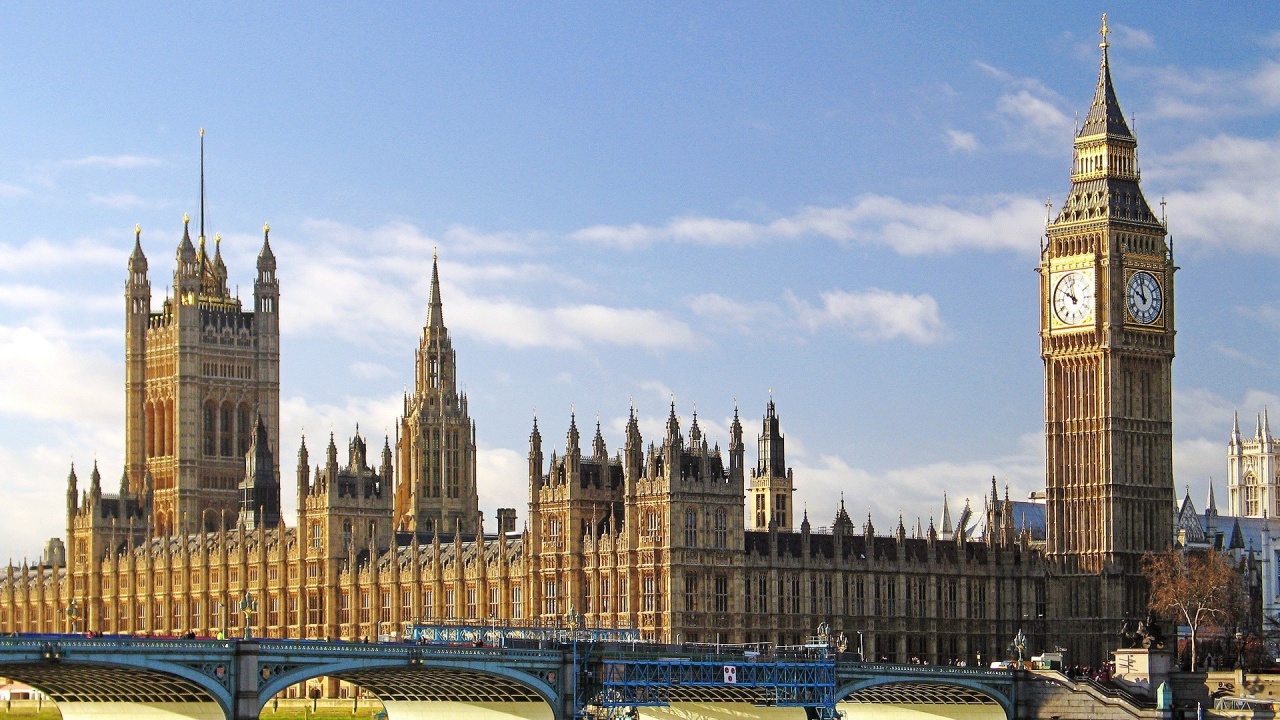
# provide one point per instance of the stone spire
(1105, 116)
(947, 529)
(435, 311)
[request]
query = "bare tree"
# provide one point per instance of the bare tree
(1200, 589)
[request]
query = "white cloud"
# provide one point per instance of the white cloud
(745, 317)
(876, 315)
(369, 370)
(119, 201)
(12, 191)
(114, 161)
(1132, 38)
(41, 254)
(962, 141)
(367, 283)
(914, 491)
(36, 367)
(991, 223)
(502, 480)
(1230, 187)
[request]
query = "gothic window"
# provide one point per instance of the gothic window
(655, 526)
(273, 610)
(780, 509)
(550, 598)
(1251, 495)
(428, 604)
(604, 595)
(722, 593)
(690, 592)
(243, 428)
(859, 597)
(649, 594)
(471, 602)
(493, 602)
(760, 511)
(384, 614)
(795, 595)
(224, 430)
(517, 603)
(364, 607)
(721, 529)
(691, 528)
(210, 429)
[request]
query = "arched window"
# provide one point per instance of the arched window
(149, 429)
(167, 427)
(210, 428)
(721, 529)
(244, 428)
(224, 430)
(1251, 495)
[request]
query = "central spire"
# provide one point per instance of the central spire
(1105, 116)
(202, 187)
(435, 313)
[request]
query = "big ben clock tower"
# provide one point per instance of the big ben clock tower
(1107, 339)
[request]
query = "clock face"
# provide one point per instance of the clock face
(1073, 297)
(1144, 297)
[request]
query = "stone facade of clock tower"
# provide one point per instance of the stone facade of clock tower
(1107, 340)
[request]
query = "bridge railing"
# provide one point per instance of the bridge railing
(636, 683)
(502, 634)
(912, 669)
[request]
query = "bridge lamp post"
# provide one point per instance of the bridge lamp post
(1020, 644)
(862, 651)
(73, 615)
(248, 606)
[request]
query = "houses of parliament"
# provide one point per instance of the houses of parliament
(674, 535)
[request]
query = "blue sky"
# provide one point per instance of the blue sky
(840, 203)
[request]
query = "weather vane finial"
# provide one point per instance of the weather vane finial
(1104, 32)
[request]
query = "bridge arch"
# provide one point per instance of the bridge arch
(86, 687)
(953, 692)
(399, 681)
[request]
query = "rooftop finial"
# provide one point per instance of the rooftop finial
(1104, 32)
(137, 231)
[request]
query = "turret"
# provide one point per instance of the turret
(259, 491)
(304, 471)
(633, 453)
(736, 448)
(95, 484)
(73, 495)
(266, 288)
(535, 455)
(598, 449)
(1237, 440)
(386, 468)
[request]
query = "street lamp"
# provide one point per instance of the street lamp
(248, 606)
(862, 653)
(1020, 644)
(73, 615)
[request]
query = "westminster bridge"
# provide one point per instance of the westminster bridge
(115, 677)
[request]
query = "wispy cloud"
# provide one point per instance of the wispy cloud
(115, 161)
(992, 223)
(876, 315)
(42, 254)
(962, 141)
(1132, 38)
(119, 201)
(366, 283)
(12, 191)
(1230, 187)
